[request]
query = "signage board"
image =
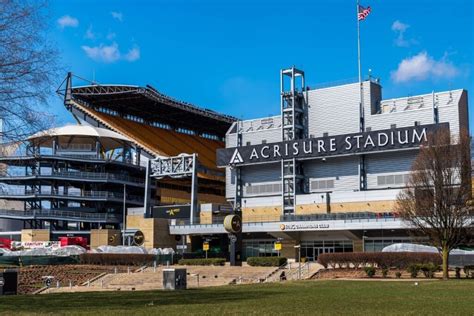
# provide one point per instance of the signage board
(171, 211)
(40, 244)
(347, 144)
(277, 246)
(304, 226)
(233, 223)
(205, 246)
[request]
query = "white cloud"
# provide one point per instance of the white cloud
(111, 36)
(110, 53)
(103, 53)
(67, 21)
(133, 54)
(423, 66)
(90, 34)
(400, 28)
(117, 15)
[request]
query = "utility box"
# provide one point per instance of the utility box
(174, 279)
(8, 282)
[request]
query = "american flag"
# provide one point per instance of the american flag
(363, 13)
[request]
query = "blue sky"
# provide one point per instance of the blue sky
(226, 55)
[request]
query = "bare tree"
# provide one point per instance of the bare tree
(436, 202)
(28, 66)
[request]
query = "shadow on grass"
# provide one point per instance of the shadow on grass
(129, 300)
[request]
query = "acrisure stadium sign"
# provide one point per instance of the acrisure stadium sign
(356, 143)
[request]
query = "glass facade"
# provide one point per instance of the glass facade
(376, 245)
(258, 248)
(312, 249)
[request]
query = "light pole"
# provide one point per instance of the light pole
(363, 240)
(124, 213)
(299, 261)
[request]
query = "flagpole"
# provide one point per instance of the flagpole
(361, 96)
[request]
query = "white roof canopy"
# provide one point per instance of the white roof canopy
(73, 134)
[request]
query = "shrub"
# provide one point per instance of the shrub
(469, 271)
(398, 260)
(414, 269)
(458, 272)
(398, 274)
(202, 262)
(266, 261)
(384, 272)
(116, 259)
(429, 269)
(370, 271)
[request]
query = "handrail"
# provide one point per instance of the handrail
(81, 175)
(91, 194)
(257, 220)
(59, 213)
(70, 156)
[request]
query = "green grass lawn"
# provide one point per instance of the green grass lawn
(295, 298)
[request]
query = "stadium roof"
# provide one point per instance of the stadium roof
(152, 106)
(69, 133)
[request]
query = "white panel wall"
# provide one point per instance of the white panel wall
(261, 173)
(335, 110)
(387, 164)
(344, 171)
(254, 138)
(229, 183)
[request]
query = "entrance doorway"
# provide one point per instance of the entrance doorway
(312, 253)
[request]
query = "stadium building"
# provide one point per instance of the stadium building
(323, 176)
(69, 181)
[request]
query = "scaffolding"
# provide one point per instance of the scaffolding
(294, 125)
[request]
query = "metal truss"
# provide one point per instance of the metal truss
(180, 166)
(175, 167)
(293, 126)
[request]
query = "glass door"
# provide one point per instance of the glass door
(321, 250)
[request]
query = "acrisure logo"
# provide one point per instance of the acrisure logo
(236, 157)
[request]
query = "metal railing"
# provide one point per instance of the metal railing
(106, 217)
(257, 219)
(80, 175)
(72, 156)
(83, 194)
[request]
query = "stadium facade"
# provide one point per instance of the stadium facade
(72, 179)
(324, 175)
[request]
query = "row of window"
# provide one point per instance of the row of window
(256, 248)
(377, 245)
(321, 184)
(325, 184)
(393, 179)
(311, 249)
(263, 188)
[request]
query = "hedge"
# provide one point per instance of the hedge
(266, 261)
(116, 259)
(202, 262)
(400, 260)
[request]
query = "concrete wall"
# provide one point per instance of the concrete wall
(35, 235)
(155, 230)
(103, 237)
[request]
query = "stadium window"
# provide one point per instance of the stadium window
(417, 123)
(326, 134)
(392, 126)
(248, 143)
(368, 129)
(264, 141)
